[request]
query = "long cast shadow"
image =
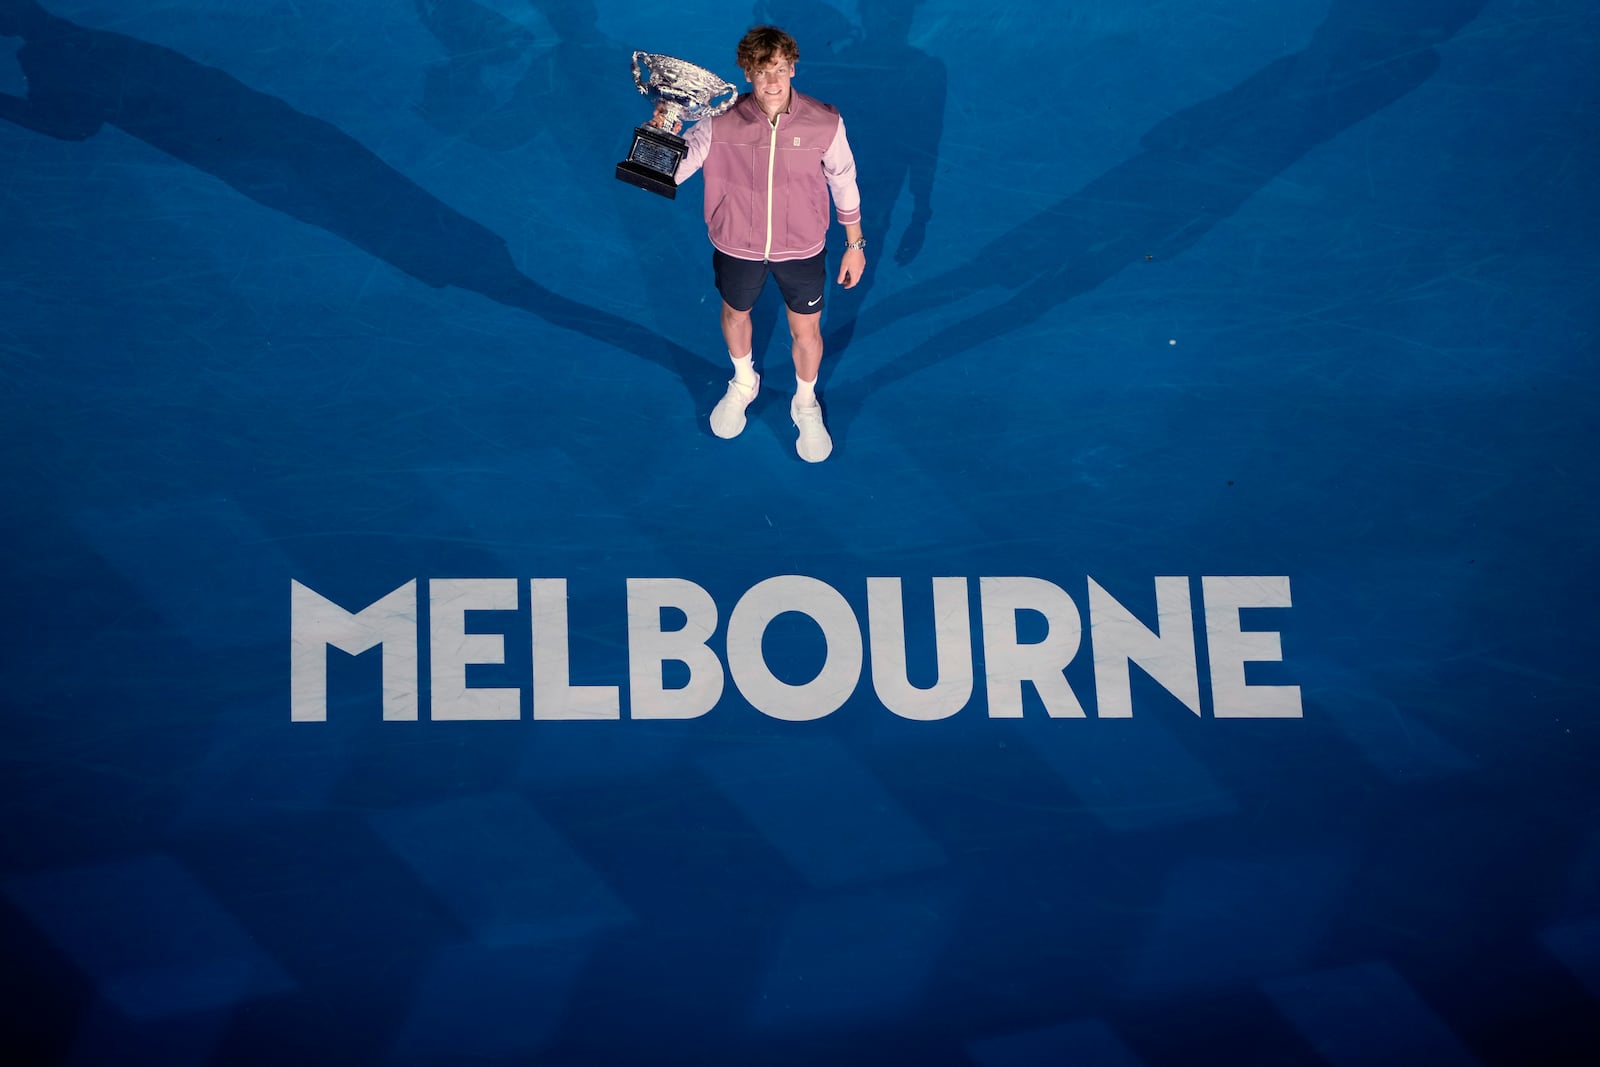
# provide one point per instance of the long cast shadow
(501, 89)
(553, 93)
(460, 95)
(82, 79)
(1197, 167)
(896, 146)
(902, 146)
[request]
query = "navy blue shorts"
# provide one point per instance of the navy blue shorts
(801, 281)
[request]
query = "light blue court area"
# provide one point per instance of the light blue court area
(1184, 657)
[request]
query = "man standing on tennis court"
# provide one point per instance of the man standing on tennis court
(770, 164)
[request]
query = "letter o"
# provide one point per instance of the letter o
(841, 666)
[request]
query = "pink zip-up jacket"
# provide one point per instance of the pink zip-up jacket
(767, 185)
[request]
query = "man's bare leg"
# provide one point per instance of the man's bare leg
(813, 444)
(727, 418)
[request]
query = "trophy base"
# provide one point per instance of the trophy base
(645, 178)
(653, 160)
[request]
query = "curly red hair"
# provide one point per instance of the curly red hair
(762, 45)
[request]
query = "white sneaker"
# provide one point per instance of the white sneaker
(814, 444)
(727, 418)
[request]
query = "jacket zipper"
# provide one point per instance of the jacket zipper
(772, 159)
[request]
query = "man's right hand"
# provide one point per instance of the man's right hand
(659, 119)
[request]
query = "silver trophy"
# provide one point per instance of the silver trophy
(685, 93)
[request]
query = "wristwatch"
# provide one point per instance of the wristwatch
(861, 244)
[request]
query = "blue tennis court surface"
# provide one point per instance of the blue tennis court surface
(1186, 655)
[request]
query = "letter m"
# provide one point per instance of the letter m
(316, 622)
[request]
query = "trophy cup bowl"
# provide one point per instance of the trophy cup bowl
(687, 93)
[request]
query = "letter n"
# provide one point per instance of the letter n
(316, 623)
(1166, 654)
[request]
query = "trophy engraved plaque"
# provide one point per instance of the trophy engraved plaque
(686, 93)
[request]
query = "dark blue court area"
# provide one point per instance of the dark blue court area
(1186, 656)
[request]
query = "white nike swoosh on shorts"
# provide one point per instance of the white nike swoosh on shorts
(813, 303)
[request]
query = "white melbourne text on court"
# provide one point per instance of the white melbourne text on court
(1169, 653)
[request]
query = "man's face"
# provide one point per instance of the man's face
(770, 80)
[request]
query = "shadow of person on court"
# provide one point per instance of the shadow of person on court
(1196, 168)
(573, 90)
(567, 103)
(581, 87)
(82, 79)
(465, 93)
(900, 144)
(896, 144)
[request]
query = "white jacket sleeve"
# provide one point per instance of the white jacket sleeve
(839, 164)
(699, 141)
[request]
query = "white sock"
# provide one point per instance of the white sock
(804, 391)
(744, 369)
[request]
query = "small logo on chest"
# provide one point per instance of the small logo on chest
(797, 142)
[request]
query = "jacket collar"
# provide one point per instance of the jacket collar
(753, 112)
